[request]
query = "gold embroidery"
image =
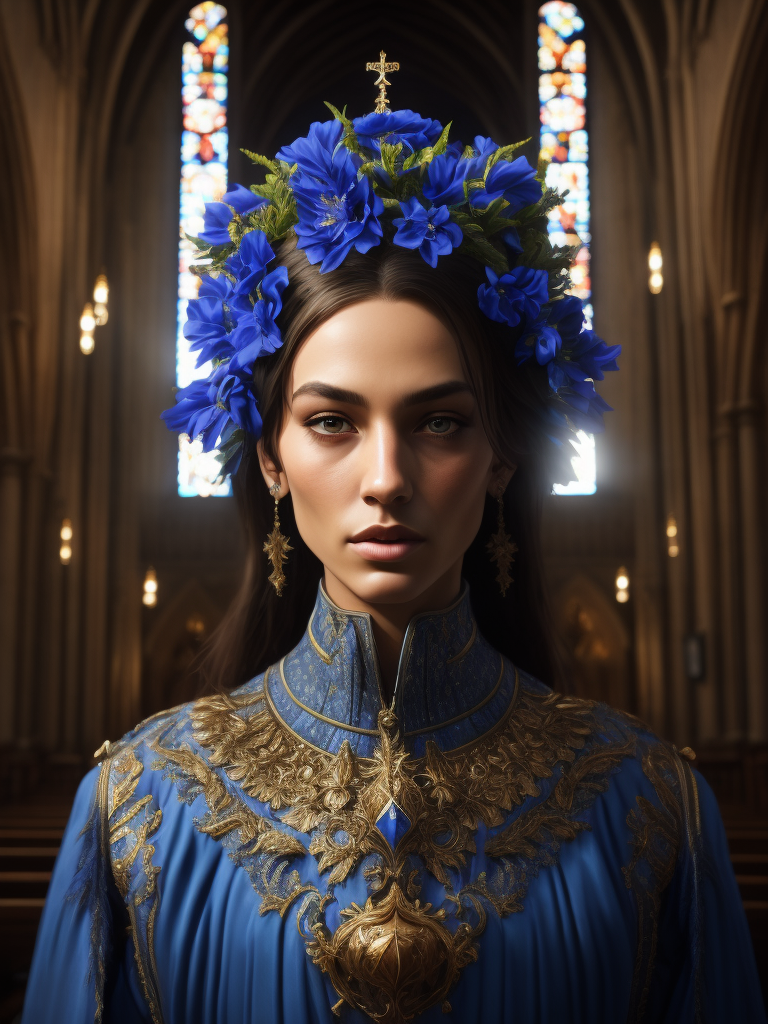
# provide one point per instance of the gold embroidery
(231, 820)
(337, 800)
(327, 658)
(316, 714)
(656, 834)
(394, 958)
(130, 831)
(467, 646)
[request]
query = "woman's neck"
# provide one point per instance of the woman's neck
(390, 618)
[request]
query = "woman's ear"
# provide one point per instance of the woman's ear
(271, 473)
(501, 474)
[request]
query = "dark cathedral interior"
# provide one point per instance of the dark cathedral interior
(112, 579)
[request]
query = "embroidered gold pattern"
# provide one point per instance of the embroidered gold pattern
(656, 837)
(131, 824)
(396, 956)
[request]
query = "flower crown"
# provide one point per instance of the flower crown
(351, 184)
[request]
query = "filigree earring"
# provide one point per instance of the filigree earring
(277, 547)
(502, 549)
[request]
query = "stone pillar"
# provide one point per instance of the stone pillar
(12, 467)
(752, 563)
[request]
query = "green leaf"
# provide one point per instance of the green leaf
(391, 204)
(198, 243)
(541, 169)
(504, 153)
(487, 253)
(264, 161)
(228, 449)
(389, 155)
(349, 136)
(440, 146)
(415, 158)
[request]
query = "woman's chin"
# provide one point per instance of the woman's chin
(390, 583)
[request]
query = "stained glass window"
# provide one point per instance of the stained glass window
(204, 66)
(565, 143)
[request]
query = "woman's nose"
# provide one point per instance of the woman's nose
(385, 479)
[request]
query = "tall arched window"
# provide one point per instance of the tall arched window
(204, 66)
(565, 142)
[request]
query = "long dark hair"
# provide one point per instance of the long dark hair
(260, 627)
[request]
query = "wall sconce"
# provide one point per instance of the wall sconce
(673, 550)
(149, 597)
(94, 315)
(622, 586)
(87, 326)
(100, 297)
(655, 263)
(65, 533)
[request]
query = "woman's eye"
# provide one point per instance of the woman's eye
(441, 425)
(331, 425)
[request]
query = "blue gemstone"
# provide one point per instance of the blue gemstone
(393, 823)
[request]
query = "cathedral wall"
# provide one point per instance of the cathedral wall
(90, 137)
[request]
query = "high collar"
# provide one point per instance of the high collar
(452, 687)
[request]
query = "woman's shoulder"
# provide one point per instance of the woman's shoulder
(178, 725)
(586, 732)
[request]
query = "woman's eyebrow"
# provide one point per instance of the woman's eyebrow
(318, 389)
(451, 387)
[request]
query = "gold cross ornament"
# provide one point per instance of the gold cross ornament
(382, 103)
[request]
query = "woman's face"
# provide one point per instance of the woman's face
(385, 455)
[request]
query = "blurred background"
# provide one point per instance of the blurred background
(119, 552)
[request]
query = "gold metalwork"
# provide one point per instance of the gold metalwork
(394, 958)
(276, 547)
(502, 549)
(383, 68)
(103, 749)
(135, 822)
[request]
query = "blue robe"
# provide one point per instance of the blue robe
(480, 850)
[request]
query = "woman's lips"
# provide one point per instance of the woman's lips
(386, 543)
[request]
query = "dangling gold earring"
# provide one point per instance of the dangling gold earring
(276, 547)
(502, 549)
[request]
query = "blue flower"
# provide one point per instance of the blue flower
(412, 130)
(575, 357)
(249, 265)
(483, 148)
(242, 200)
(205, 329)
(337, 210)
(311, 153)
(219, 287)
(445, 180)
(515, 296)
(515, 180)
(256, 333)
(208, 408)
(217, 216)
(216, 222)
(430, 231)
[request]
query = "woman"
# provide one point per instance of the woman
(390, 817)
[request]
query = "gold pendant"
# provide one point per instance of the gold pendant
(502, 550)
(276, 548)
